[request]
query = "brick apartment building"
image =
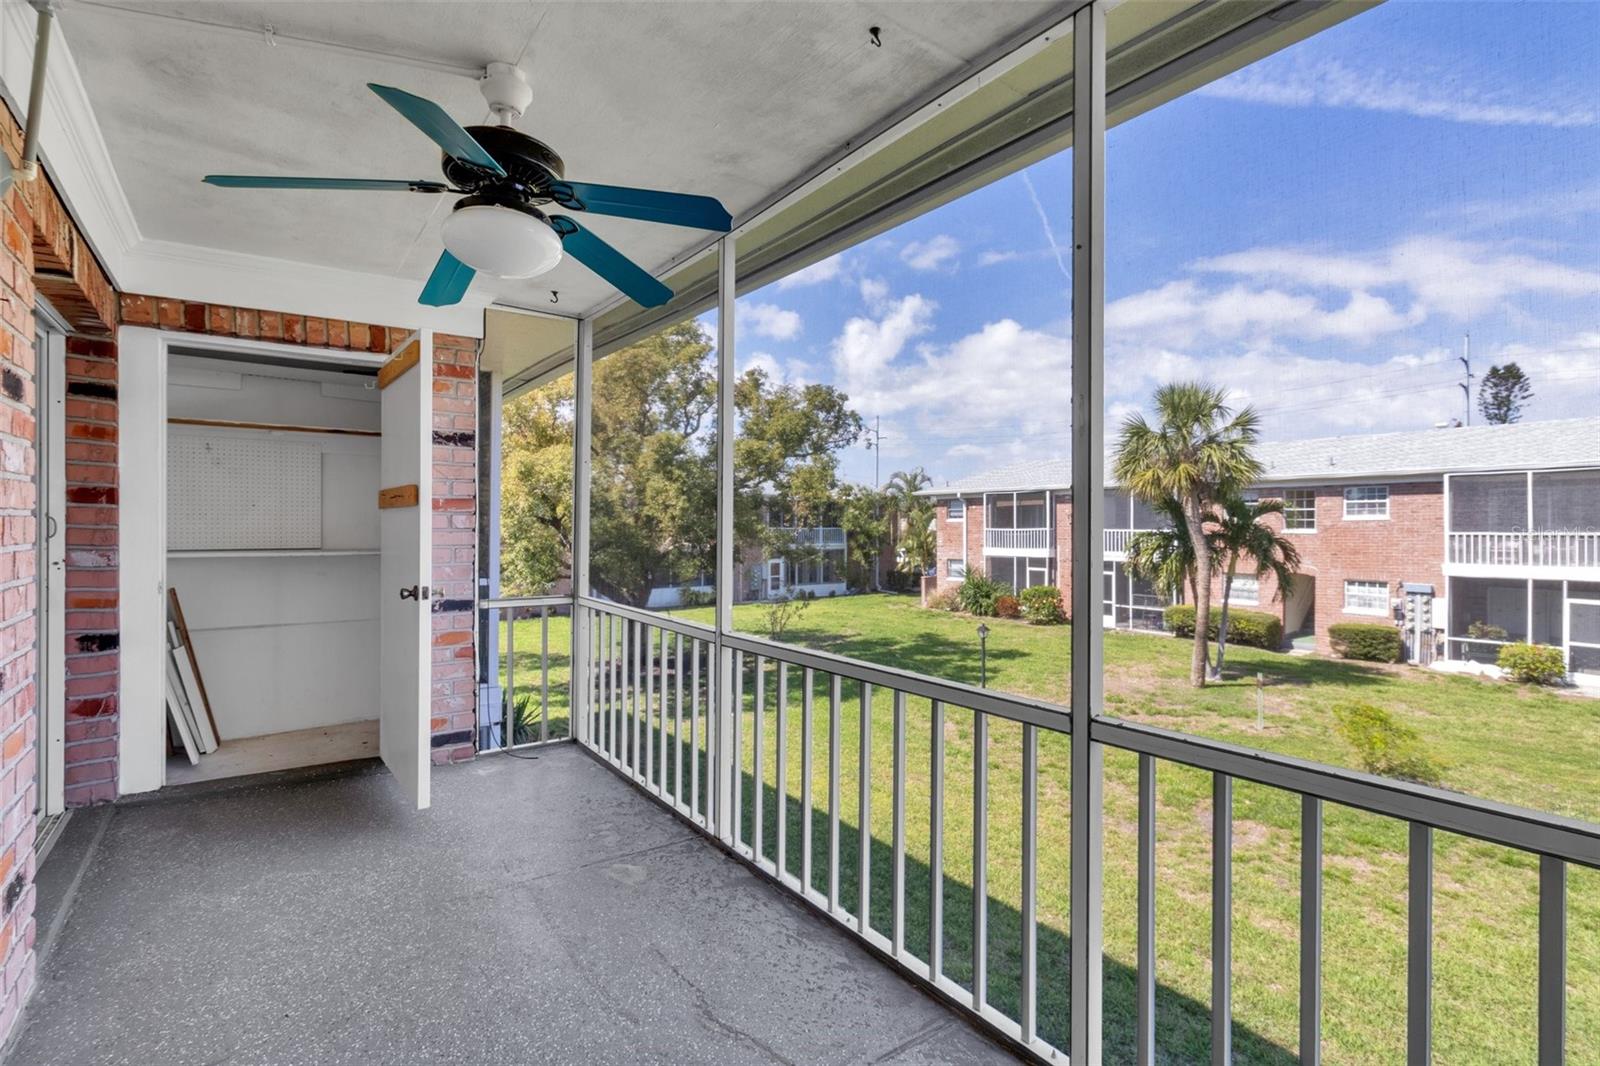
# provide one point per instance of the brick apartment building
(1466, 538)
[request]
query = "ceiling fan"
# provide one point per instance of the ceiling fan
(506, 178)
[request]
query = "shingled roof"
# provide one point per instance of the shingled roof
(1570, 442)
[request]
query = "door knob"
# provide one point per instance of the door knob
(415, 592)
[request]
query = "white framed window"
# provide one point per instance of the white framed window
(957, 510)
(1300, 510)
(1366, 501)
(1366, 597)
(955, 569)
(1244, 591)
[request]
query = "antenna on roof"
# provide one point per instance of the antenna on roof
(1466, 361)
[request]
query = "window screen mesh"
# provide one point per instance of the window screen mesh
(1568, 501)
(1489, 609)
(1116, 509)
(1489, 503)
(1147, 517)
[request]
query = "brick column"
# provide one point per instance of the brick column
(91, 625)
(455, 547)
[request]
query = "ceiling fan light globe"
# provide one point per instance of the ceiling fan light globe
(501, 242)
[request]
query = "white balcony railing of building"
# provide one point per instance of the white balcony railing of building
(1116, 541)
(1036, 539)
(681, 709)
(1566, 550)
(813, 536)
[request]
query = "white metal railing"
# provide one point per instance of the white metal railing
(534, 697)
(1116, 541)
(1030, 539)
(1544, 549)
(652, 685)
(814, 536)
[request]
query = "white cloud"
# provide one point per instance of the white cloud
(1446, 94)
(935, 253)
(1049, 231)
(990, 258)
(874, 291)
(864, 351)
(782, 372)
(815, 274)
(1453, 277)
(771, 321)
(1184, 312)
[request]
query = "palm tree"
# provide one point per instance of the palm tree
(919, 547)
(1239, 533)
(1200, 450)
(901, 493)
(1165, 557)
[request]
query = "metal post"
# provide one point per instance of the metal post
(1419, 952)
(1552, 961)
(582, 475)
(726, 765)
(1088, 521)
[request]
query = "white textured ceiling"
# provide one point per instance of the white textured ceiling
(733, 100)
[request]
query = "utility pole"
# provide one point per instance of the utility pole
(875, 446)
(1466, 363)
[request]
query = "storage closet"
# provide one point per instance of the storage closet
(272, 535)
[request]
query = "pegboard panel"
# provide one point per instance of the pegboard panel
(242, 492)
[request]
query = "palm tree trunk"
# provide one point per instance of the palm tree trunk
(1222, 623)
(1200, 660)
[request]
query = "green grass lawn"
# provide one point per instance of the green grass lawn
(1522, 746)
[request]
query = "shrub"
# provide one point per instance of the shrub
(1007, 607)
(1256, 629)
(1370, 642)
(944, 599)
(1536, 663)
(979, 593)
(1042, 605)
(1485, 631)
(1385, 746)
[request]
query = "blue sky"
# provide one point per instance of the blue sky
(1317, 231)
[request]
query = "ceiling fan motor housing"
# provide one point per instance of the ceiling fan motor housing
(530, 164)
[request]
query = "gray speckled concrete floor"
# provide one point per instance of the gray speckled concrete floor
(542, 912)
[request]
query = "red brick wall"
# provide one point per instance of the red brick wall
(1406, 546)
(92, 655)
(455, 546)
(255, 324)
(18, 624)
(41, 254)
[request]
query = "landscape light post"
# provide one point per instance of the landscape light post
(983, 655)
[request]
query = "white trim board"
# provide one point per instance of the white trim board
(142, 534)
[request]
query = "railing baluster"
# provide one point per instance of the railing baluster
(864, 836)
(781, 793)
(1028, 1010)
(544, 676)
(647, 664)
(936, 842)
(898, 874)
(737, 814)
(665, 701)
(625, 708)
(1552, 961)
(508, 698)
(694, 727)
(1221, 920)
(808, 679)
(1145, 1038)
(758, 782)
(834, 684)
(1419, 956)
(677, 719)
(980, 860)
(1310, 931)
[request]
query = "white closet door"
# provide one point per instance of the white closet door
(405, 520)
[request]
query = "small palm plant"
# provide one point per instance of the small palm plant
(1240, 535)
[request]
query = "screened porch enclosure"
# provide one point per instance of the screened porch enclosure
(960, 833)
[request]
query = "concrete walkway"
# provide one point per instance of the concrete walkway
(542, 912)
